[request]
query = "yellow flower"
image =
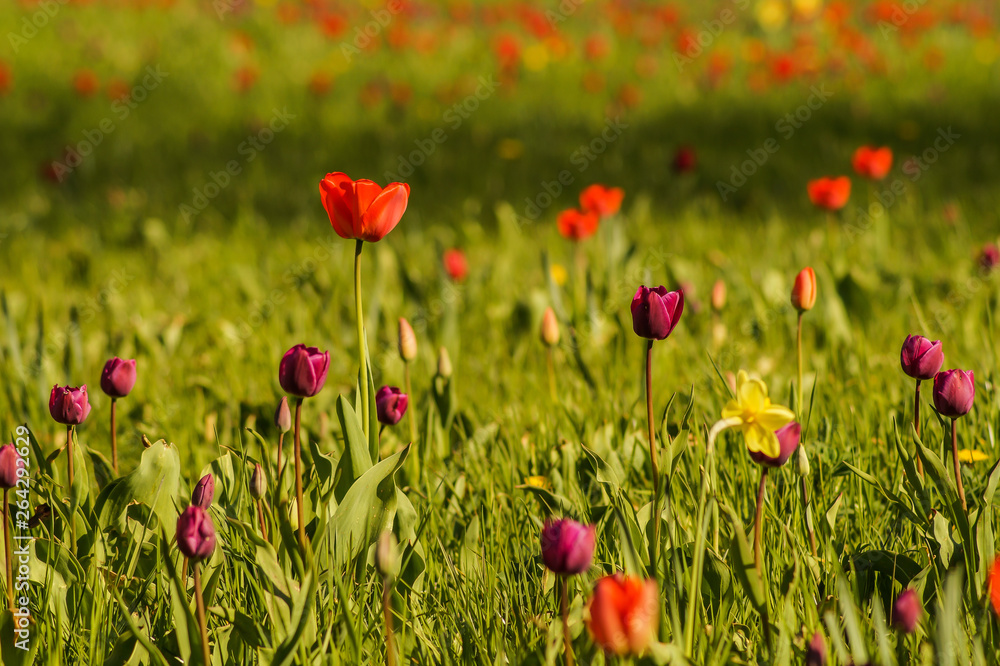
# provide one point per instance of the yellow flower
(538, 482)
(754, 414)
(971, 456)
(559, 274)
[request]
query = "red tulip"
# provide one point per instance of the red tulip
(871, 162)
(804, 290)
(605, 201)
(195, 534)
(623, 614)
(906, 611)
(455, 264)
(390, 405)
(685, 159)
(361, 209)
(656, 311)
(954, 391)
(568, 546)
(989, 257)
(577, 225)
(69, 406)
(830, 193)
(302, 371)
(118, 377)
(994, 585)
(920, 358)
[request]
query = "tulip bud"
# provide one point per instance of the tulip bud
(816, 651)
(195, 534)
(258, 482)
(407, 341)
(906, 611)
(283, 416)
(718, 295)
(8, 466)
(920, 358)
(788, 440)
(302, 371)
(954, 391)
(387, 555)
(69, 406)
(655, 312)
(390, 403)
(624, 614)
(118, 377)
(568, 546)
(204, 492)
(989, 258)
(444, 363)
(804, 290)
(802, 462)
(550, 328)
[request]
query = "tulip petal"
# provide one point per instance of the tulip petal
(761, 440)
(338, 198)
(774, 417)
(384, 212)
(752, 394)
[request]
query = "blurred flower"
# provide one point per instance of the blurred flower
(85, 83)
(871, 162)
(258, 482)
(444, 363)
(954, 391)
(752, 412)
(283, 415)
(718, 297)
(320, 83)
(361, 209)
(685, 160)
(816, 651)
(118, 90)
(69, 406)
(655, 312)
(989, 257)
(407, 341)
(387, 555)
(6, 79)
(788, 441)
(906, 611)
(390, 403)
(568, 546)
(920, 358)
(623, 614)
(118, 377)
(244, 78)
(559, 274)
(195, 534)
(538, 482)
(994, 585)
(577, 225)
(971, 456)
(302, 371)
(8, 466)
(830, 193)
(596, 47)
(605, 201)
(550, 328)
(204, 491)
(804, 290)
(455, 264)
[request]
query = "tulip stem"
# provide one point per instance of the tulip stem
(298, 474)
(655, 515)
(567, 637)
(361, 338)
(958, 469)
(202, 625)
(409, 392)
(798, 347)
(114, 439)
(69, 457)
(6, 551)
(759, 520)
(807, 517)
(916, 424)
(281, 440)
(581, 282)
(260, 517)
(390, 652)
(552, 373)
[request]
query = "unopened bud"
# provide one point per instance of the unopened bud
(386, 556)
(407, 341)
(283, 416)
(802, 462)
(444, 363)
(550, 328)
(258, 482)
(718, 295)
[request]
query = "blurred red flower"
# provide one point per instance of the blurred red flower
(577, 225)
(872, 162)
(455, 264)
(830, 193)
(85, 83)
(605, 201)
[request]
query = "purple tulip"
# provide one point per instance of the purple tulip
(906, 611)
(204, 492)
(69, 406)
(921, 358)
(118, 377)
(788, 441)
(989, 257)
(8, 466)
(568, 546)
(195, 534)
(391, 404)
(302, 372)
(953, 392)
(655, 312)
(816, 651)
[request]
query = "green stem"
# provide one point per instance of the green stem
(798, 346)
(758, 522)
(281, 441)
(298, 475)
(411, 409)
(390, 652)
(361, 337)
(114, 439)
(807, 517)
(552, 373)
(655, 515)
(958, 468)
(202, 624)
(567, 637)
(916, 423)
(69, 457)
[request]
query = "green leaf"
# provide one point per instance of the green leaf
(16, 648)
(743, 562)
(155, 483)
(356, 459)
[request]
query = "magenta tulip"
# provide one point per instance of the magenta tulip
(655, 312)
(302, 371)
(195, 534)
(204, 492)
(69, 406)
(118, 377)
(816, 651)
(953, 392)
(906, 611)
(788, 441)
(921, 358)
(8, 466)
(391, 404)
(568, 546)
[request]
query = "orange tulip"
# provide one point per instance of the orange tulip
(830, 193)
(623, 614)
(871, 162)
(360, 209)
(577, 225)
(995, 585)
(804, 290)
(605, 201)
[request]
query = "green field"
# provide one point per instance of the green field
(161, 204)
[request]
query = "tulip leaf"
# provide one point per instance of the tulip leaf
(17, 649)
(743, 562)
(155, 483)
(551, 502)
(356, 459)
(892, 497)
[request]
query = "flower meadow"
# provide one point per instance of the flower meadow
(499, 333)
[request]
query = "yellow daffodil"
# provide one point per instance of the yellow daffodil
(752, 412)
(971, 456)
(538, 482)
